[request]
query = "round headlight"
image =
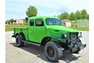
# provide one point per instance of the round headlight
(64, 35)
(80, 34)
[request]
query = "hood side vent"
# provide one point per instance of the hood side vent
(56, 30)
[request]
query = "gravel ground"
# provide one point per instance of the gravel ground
(35, 54)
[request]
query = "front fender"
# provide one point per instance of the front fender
(57, 39)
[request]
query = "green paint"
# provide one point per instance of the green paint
(37, 33)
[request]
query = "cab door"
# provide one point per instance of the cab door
(31, 30)
(39, 30)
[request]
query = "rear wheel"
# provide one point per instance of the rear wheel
(53, 51)
(19, 42)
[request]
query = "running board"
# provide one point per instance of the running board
(30, 42)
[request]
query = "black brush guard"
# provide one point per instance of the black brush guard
(75, 44)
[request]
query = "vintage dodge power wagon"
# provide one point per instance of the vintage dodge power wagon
(50, 33)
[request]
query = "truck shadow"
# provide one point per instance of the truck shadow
(68, 57)
(39, 52)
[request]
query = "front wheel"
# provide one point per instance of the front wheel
(19, 42)
(53, 51)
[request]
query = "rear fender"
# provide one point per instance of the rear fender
(14, 35)
(19, 34)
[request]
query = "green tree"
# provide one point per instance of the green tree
(11, 20)
(71, 16)
(15, 21)
(26, 19)
(64, 15)
(77, 15)
(84, 14)
(31, 11)
(8, 21)
(59, 16)
(87, 16)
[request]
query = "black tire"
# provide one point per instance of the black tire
(53, 51)
(19, 42)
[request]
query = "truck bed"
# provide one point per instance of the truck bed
(23, 30)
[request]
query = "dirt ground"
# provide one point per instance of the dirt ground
(35, 54)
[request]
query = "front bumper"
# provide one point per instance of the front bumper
(77, 49)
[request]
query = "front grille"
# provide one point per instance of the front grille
(73, 35)
(75, 43)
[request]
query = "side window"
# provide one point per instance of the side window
(39, 22)
(31, 22)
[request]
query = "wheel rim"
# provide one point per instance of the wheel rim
(50, 51)
(17, 40)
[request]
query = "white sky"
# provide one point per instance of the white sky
(16, 8)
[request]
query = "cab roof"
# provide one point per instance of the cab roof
(42, 17)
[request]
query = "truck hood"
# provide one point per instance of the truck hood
(61, 28)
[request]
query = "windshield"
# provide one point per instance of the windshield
(53, 21)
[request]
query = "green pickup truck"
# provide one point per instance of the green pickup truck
(49, 32)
